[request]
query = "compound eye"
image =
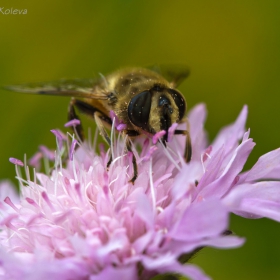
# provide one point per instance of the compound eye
(139, 109)
(179, 101)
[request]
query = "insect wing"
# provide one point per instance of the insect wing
(65, 87)
(173, 73)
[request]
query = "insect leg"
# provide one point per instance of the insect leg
(72, 115)
(89, 110)
(188, 148)
(92, 112)
(135, 169)
(99, 118)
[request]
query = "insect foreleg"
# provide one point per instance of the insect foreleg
(92, 112)
(98, 117)
(188, 147)
(72, 115)
(135, 169)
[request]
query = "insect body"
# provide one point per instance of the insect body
(145, 100)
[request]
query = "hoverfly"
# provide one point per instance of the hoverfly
(145, 100)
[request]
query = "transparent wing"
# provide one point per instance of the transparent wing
(173, 73)
(65, 87)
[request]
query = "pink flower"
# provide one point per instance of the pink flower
(86, 222)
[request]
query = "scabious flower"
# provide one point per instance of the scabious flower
(84, 221)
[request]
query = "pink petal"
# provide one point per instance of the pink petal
(211, 218)
(212, 170)
(158, 262)
(144, 210)
(230, 241)
(196, 119)
(222, 241)
(167, 264)
(267, 166)
(191, 271)
(124, 273)
(35, 160)
(142, 242)
(7, 189)
(47, 152)
(220, 186)
(230, 135)
(185, 180)
(255, 200)
(148, 155)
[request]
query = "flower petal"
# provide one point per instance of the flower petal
(230, 241)
(144, 210)
(110, 272)
(267, 166)
(196, 119)
(184, 184)
(211, 218)
(255, 200)
(167, 264)
(230, 135)
(219, 187)
(189, 270)
(7, 189)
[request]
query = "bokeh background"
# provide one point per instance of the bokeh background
(232, 48)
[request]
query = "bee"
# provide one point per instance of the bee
(145, 100)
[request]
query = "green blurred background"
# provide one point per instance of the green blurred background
(232, 48)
